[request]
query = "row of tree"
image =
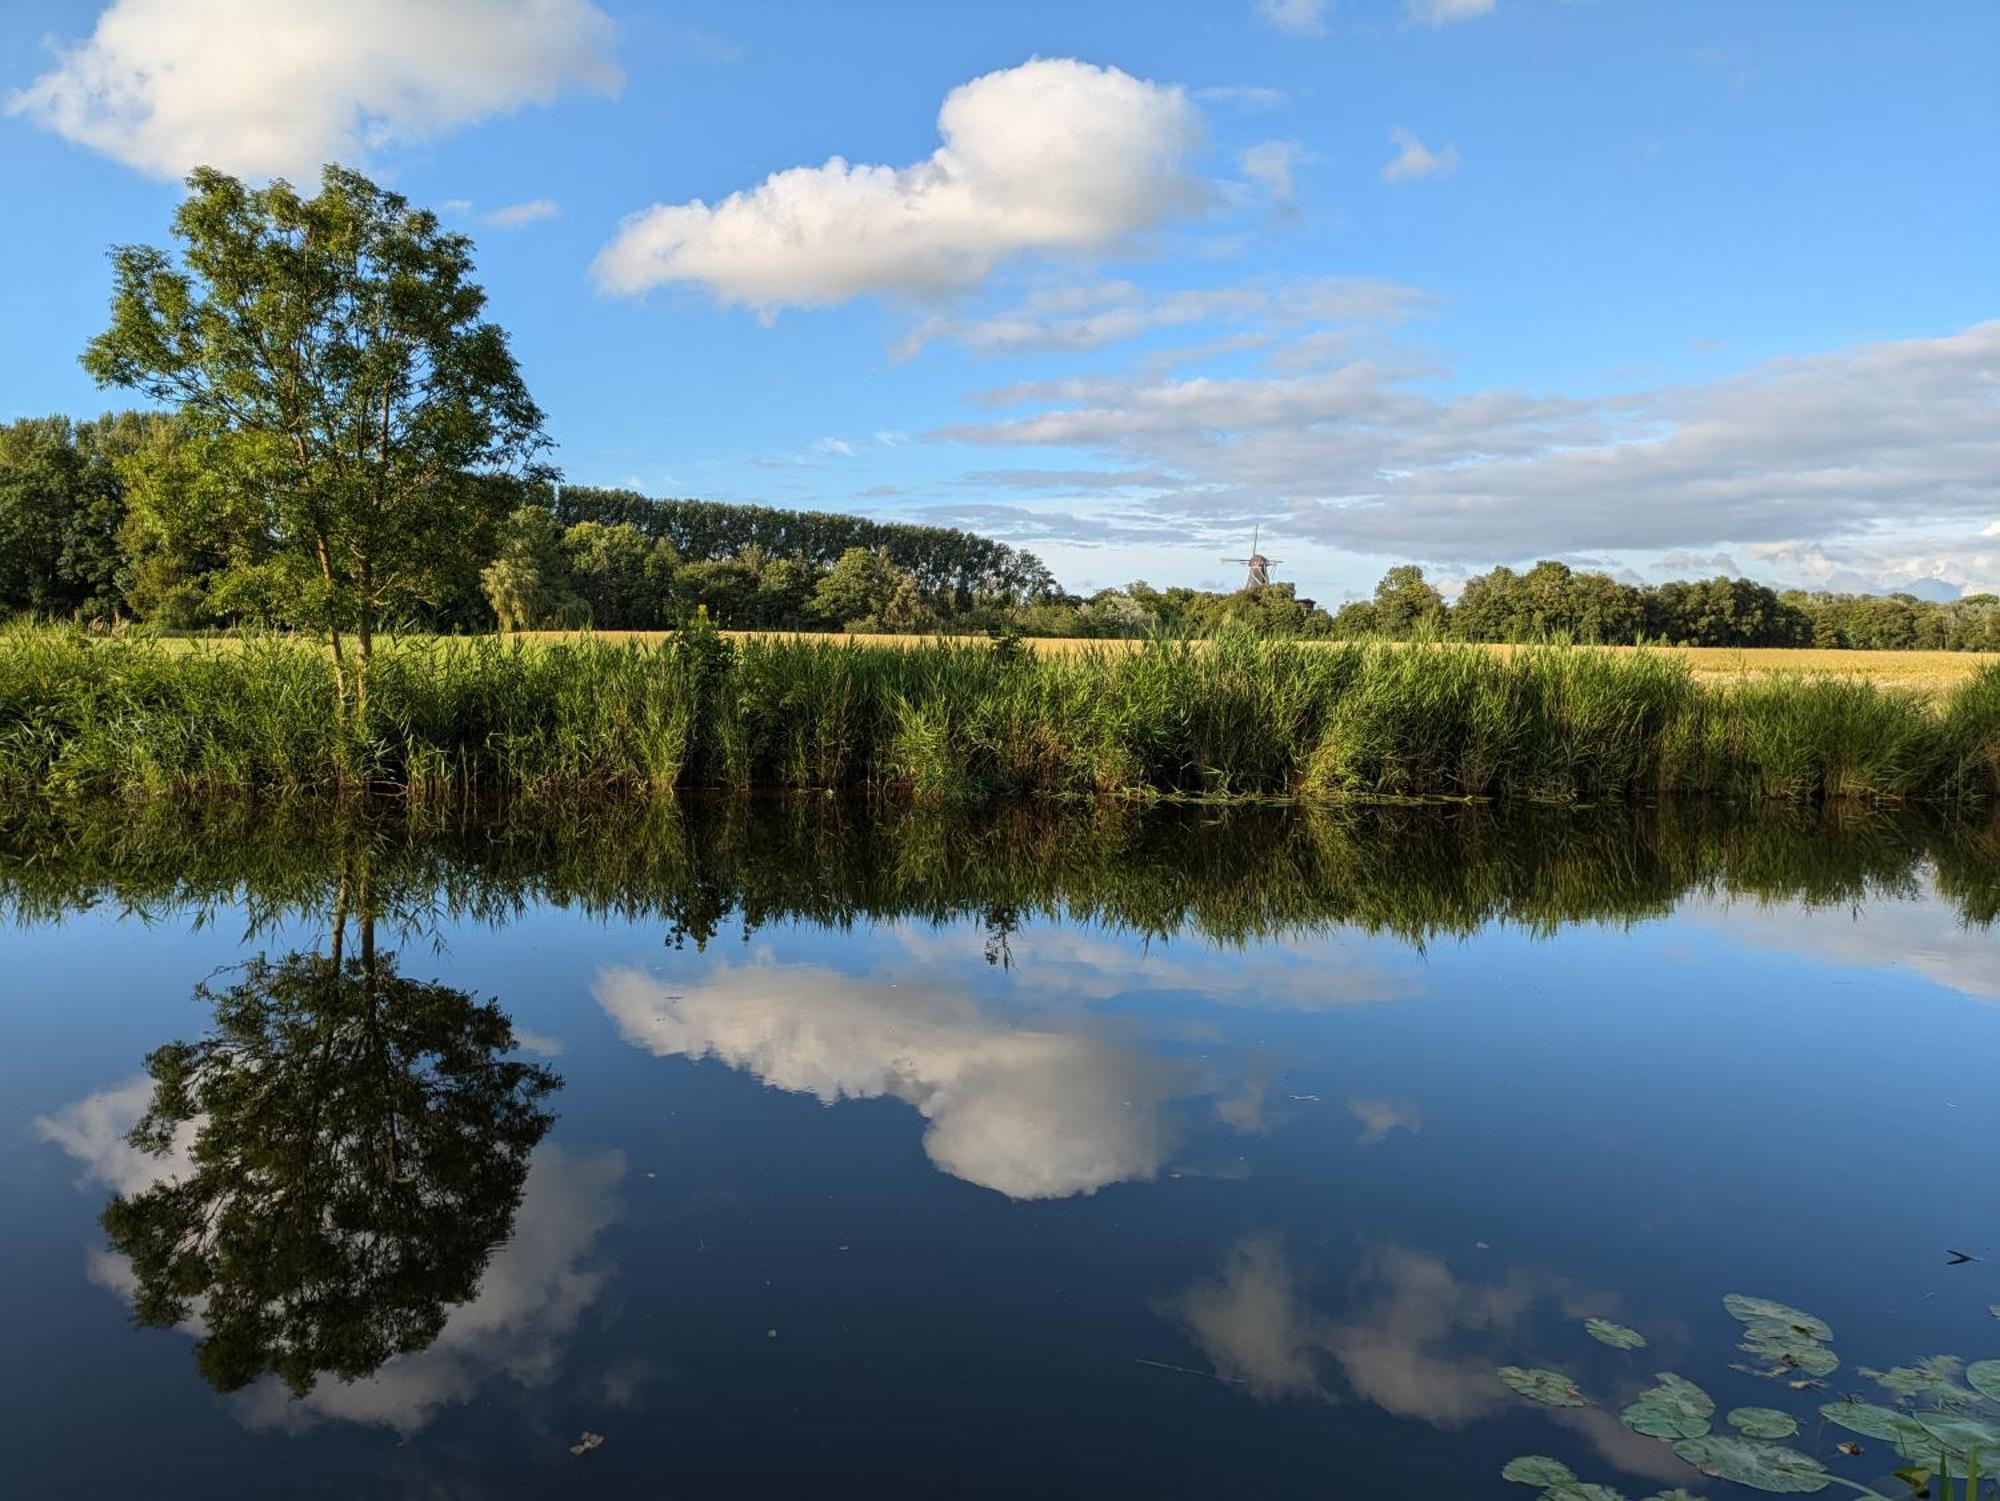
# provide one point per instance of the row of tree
(1553, 600)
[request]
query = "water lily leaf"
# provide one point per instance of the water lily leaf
(1675, 1408)
(1552, 1387)
(1865, 1417)
(1749, 1310)
(1983, 1376)
(1952, 1435)
(1747, 1461)
(1537, 1469)
(1615, 1335)
(1930, 1377)
(1763, 1422)
(1778, 1342)
(1579, 1490)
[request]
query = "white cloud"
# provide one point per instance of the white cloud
(1270, 165)
(1090, 315)
(1030, 1112)
(284, 86)
(1252, 1323)
(1358, 452)
(1436, 13)
(838, 448)
(1414, 159)
(514, 215)
(1055, 155)
(1298, 17)
(1379, 1117)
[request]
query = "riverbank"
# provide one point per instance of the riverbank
(1230, 718)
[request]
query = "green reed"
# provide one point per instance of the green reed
(1229, 718)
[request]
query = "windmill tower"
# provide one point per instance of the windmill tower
(1258, 566)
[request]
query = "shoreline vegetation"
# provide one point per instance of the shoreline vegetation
(1232, 717)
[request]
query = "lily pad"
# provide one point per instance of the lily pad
(1952, 1435)
(1675, 1408)
(1983, 1376)
(1749, 1310)
(1537, 1469)
(1615, 1335)
(1747, 1461)
(1582, 1490)
(1865, 1417)
(1772, 1340)
(1763, 1422)
(1551, 1387)
(1931, 1377)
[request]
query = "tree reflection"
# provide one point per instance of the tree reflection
(360, 1143)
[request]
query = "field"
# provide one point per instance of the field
(1928, 672)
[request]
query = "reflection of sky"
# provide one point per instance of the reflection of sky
(530, 1297)
(1354, 1179)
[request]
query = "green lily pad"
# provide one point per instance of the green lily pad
(1748, 1310)
(1763, 1422)
(1931, 1377)
(1537, 1469)
(1581, 1490)
(1983, 1376)
(1675, 1408)
(1615, 1335)
(1551, 1387)
(1768, 1339)
(1953, 1435)
(1866, 1418)
(1747, 1461)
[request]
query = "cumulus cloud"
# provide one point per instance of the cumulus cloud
(530, 1298)
(514, 215)
(1029, 1112)
(1380, 1117)
(1296, 17)
(1364, 454)
(283, 86)
(1413, 159)
(1053, 156)
(1253, 1325)
(1436, 13)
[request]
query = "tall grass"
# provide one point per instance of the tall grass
(1231, 718)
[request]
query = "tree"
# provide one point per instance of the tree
(528, 584)
(330, 361)
(1405, 602)
(359, 1147)
(855, 588)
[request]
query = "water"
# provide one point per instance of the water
(1186, 1154)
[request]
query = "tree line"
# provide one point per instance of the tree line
(1552, 600)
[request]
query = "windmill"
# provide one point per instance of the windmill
(1258, 565)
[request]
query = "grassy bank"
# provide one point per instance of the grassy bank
(1227, 718)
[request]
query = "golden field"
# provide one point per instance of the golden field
(1925, 672)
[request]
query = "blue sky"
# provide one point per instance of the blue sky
(1661, 287)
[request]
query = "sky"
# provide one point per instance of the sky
(1662, 287)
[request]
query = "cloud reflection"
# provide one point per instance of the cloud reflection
(1033, 1112)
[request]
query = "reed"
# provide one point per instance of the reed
(1229, 718)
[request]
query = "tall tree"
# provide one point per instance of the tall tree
(331, 361)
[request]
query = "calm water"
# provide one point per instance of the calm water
(1189, 1155)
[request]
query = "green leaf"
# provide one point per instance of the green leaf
(1763, 1422)
(1867, 1418)
(1675, 1408)
(1983, 1376)
(1772, 1340)
(1551, 1387)
(1579, 1490)
(1537, 1469)
(1615, 1335)
(1949, 1435)
(1761, 1466)
(1749, 1310)
(1930, 1377)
